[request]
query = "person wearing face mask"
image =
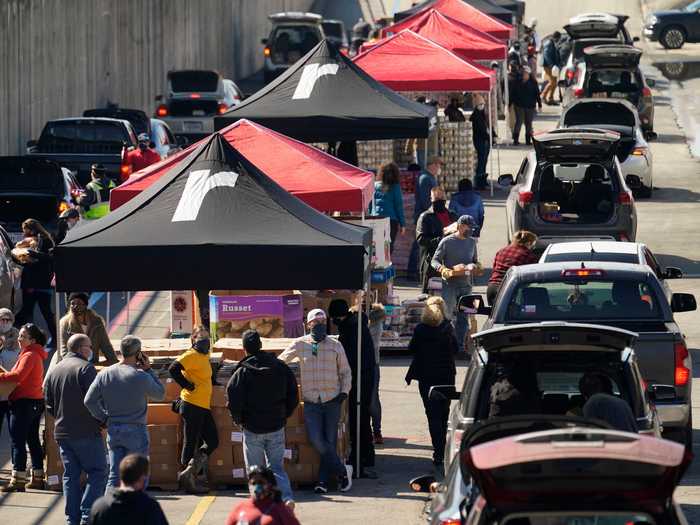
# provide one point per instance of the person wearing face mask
(9, 352)
(429, 233)
(95, 202)
(82, 320)
(517, 253)
(326, 379)
(262, 394)
(481, 137)
(77, 432)
(66, 221)
(192, 371)
(264, 507)
(144, 155)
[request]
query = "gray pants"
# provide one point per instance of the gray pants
(523, 115)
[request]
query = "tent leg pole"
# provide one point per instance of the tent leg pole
(491, 141)
(108, 299)
(507, 94)
(128, 315)
(57, 305)
(358, 391)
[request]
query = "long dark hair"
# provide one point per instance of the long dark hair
(37, 229)
(390, 175)
(35, 333)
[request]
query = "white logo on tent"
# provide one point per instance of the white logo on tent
(309, 75)
(199, 183)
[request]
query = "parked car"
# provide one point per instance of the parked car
(600, 25)
(609, 251)
(621, 295)
(576, 476)
(78, 143)
(334, 31)
(571, 188)
(10, 273)
(546, 361)
(569, 70)
(36, 188)
(454, 496)
(620, 116)
(612, 71)
(293, 35)
(162, 138)
(673, 28)
(193, 98)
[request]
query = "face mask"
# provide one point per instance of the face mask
(5, 326)
(480, 107)
(318, 332)
(77, 308)
(439, 205)
(71, 224)
(202, 346)
(143, 146)
(257, 490)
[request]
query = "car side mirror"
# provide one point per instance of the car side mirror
(443, 393)
(32, 145)
(634, 182)
(159, 98)
(423, 483)
(264, 41)
(563, 84)
(651, 135)
(506, 180)
(661, 392)
(651, 82)
(473, 304)
(683, 302)
(671, 272)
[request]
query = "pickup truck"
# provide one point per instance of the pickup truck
(78, 143)
(621, 295)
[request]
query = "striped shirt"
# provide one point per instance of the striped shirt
(324, 375)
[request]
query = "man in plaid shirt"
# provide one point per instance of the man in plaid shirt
(517, 253)
(326, 379)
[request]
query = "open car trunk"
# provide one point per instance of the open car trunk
(612, 56)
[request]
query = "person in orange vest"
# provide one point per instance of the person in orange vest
(144, 155)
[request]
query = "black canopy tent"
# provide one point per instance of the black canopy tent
(325, 97)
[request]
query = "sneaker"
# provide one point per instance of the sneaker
(321, 488)
(369, 473)
(378, 438)
(346, 481)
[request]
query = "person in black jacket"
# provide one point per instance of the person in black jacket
(37, 275)
(429, 233)
(434, 347)
(481, 137)
(129, 504)
(525, 97)
(262, 394)
(346, 321)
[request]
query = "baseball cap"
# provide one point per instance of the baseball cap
(314, 314)
(98, 168)
(143, 137)
(466, 219)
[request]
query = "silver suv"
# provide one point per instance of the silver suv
(293, 35)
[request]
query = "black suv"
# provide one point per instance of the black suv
(674, 28)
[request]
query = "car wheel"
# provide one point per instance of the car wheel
(673, 37)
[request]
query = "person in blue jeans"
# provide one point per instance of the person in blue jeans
(388, 201)
(77, 431)
(262, 394)
(118, 398)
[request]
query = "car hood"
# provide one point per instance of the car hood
(579, 468)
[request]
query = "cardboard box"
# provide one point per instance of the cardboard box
(164, 472)
(232, 348)
(172, 390)
(307, 454)
(161, 414)
(295, 435)
(164, 435)
(222, 418)
(381, 238)
(272, 315)
(297, 418)
(6, 389)
(302, 473)
(218, 397)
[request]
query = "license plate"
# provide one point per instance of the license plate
(193, 126)
(198, 113)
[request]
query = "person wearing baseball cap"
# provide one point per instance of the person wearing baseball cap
(144, 156)
(326, 379)
(95, 201)
(455, 259)
(262, 394)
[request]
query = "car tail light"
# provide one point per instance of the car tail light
(682, 374)
(570, 74)
(162, 111)
(266, 52)
(625, 197)
(125, 167)
(582, 272)
(640, 152)
(63, 206)
(450, 521)
(525, 197)
(578, 92)
(646, 92)
(195, 95)
(222, 108)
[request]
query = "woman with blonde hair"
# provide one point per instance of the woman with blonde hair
(434, 347)
(517, 253)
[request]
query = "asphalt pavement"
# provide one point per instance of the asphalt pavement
(668, 223)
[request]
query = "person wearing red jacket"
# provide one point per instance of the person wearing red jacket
(144, 156)
(265, 505)
(26, 408)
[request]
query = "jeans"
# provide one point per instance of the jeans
(482, 147)
(393, 232)
(4, 413)
(451, 292)
(437, 412)
(31, 297)
(268, 449)
(25, 416)
(82, 455)
(198, 425)
(375, 407)
(321, 420)
(412, 268)
(523, 115)
(124, 439)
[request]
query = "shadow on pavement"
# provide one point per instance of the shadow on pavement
(674, 195)
(688, 266)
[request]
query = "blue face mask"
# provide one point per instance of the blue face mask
(202, 346)
(318, 332)
(258, 490)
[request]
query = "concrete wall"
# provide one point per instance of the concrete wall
(59, 57)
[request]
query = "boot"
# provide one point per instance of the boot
(188, 480)
(36, 481)
(17, 482)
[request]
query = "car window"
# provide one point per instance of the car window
(595, 518)
(578, 300)
(194, 81)
(630, 258)
(171, 137)
(565, 383)
(652, 262)
(290, 42)
(522, 172)
(692, 7)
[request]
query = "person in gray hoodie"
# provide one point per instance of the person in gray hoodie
(118, 398)
(9, 352)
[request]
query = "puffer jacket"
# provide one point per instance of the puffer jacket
(434, 349)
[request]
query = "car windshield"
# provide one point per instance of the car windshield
(333, 29)
(593, 256)
(83, 137)
(291, 42)
(599, 299)
(588, 518)
(612, 83)
(693, 6)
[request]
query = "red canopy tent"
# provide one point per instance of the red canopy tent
(462, 12)
(410, 62)
(463, 40)
(320, 180)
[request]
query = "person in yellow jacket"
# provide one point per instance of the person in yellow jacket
(95, 202)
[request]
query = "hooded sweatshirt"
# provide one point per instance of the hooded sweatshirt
(265, 512)
(28, 373)
(262, 393)
(134, 507)
(434, 349)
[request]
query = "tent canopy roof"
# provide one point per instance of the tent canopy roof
(410, 62)
(324, 97)
(320, 180)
